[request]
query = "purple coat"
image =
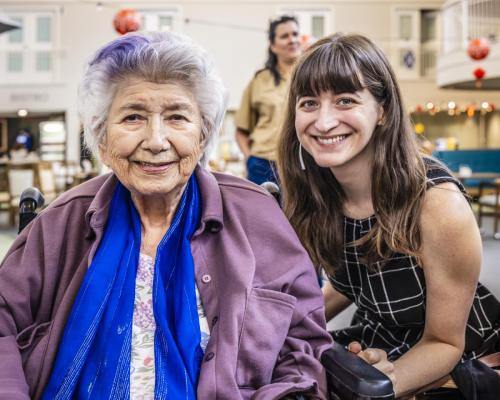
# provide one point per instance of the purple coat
(256, 282)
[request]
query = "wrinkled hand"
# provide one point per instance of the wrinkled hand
(376, 358)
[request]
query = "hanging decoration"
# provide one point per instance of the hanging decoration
(127, 20)
(419, 128)
(471, 109)
(452, 108)
(409, 59)
(478, 49)
(480, 26)
(306, 41)
(479, 74)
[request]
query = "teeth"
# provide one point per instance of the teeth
(332, 140)
(151, 164)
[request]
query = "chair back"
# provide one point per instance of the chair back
(47, 181)
(20, 176)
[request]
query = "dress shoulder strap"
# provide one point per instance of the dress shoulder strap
(438, 173)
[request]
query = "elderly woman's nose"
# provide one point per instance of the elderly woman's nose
(156, 135)
(326, 120)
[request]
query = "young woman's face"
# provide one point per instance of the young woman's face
(286, 43)
(335, 128)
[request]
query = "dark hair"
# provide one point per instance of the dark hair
(272, 60)
(313, 199)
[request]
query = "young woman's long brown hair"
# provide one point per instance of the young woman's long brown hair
(313, 199)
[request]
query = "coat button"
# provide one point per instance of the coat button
(206, 278)
(209, 356)
(214, 320)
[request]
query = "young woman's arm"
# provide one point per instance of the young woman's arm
(335, 302)
(451, 259)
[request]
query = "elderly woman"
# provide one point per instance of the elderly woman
(158, 280)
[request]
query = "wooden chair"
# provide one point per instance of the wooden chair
(47, 181)
(20, 177)
(489, 204)
(5, 201)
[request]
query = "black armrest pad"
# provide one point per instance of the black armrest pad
(350, 377)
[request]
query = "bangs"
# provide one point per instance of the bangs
(328, 68)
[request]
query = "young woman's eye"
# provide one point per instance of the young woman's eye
(345, 101)
(133, 118)
(307, 104)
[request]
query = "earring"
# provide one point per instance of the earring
(301, 159)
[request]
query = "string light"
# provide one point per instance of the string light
(452, 108)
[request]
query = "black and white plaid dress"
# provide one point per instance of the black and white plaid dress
(391, 301)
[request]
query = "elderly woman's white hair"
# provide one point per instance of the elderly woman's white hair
(155, 57)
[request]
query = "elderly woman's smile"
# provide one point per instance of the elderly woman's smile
(153, 136)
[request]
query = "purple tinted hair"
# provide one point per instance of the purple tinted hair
(154, 57)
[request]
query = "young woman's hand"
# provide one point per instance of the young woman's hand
(376, 358)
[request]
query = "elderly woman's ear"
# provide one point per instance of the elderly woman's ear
(102, 151)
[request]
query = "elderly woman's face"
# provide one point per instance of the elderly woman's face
(153, 139)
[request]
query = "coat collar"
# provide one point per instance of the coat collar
(211, 202)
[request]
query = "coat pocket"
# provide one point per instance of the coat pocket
(265, 328)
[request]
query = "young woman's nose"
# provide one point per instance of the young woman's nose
(327, 119)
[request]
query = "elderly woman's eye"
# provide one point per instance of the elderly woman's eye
(133, 118)
(177, 117)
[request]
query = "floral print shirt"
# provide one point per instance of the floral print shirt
(142, 368)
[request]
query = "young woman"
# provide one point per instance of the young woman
(392, 229)
(260, 114)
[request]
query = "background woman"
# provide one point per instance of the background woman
(260, 114)
(392, 229)
(157, 281)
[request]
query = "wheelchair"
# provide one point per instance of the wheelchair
(348, 376)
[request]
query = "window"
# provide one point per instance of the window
(15, 62)
(428, 26)
(158, 20)
(429, 44)
(43, 29)
(165, 23)
(315, 23)
(318, 26)
(405, 27)
(16, 35)
(31, 53)
(416, 34)
(43, 61)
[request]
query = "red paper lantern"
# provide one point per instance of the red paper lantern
(306, 41)
(478, 49)
(127, 20)
(479, 74)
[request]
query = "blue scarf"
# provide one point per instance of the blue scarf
(93, 359)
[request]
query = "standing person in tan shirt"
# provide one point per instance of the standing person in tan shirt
(260, 114)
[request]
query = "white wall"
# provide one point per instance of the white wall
(234, 32)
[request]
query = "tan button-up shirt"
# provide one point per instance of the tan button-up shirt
(261, 113)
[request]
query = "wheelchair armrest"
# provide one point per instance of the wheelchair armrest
(350, 377)
(30, 200)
